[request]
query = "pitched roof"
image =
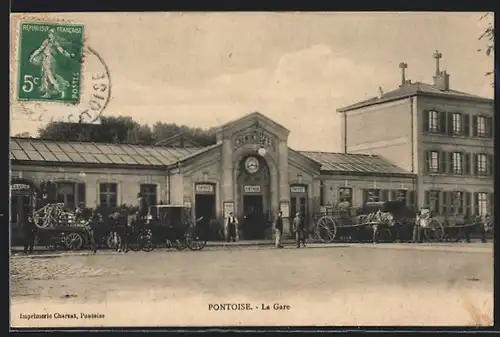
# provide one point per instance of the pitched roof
(181, 138)
(354, 163)
(35, 149)
(413, 89)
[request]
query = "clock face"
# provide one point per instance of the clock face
(252, 165)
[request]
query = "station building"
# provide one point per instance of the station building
(249, 170)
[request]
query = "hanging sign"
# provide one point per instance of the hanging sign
(20, 187)
(228, 208)
(204, 188)
(252, 188)
(298, 189)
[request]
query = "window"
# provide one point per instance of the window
(434, 162)
(457, 127)
(457, 167)
(481, 203)
(401, 195)
(431, 198)
(481, 164)
(433, 121)
(108, 195)
(149, 193)
(371, 195)
(481, 126)
(456, 203)
(70, 194)
(345, 195)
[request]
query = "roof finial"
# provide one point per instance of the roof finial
(403, 67)
(437, 55)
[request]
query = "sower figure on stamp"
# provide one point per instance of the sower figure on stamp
(29, 230)
(298, 228)
(52, 83)
(278, 227)
(231, 224)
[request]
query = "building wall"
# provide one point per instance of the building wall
(128, 180)
(332, 183)
(382, 129)
(465, 144)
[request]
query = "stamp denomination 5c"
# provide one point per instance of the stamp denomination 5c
(50, 67)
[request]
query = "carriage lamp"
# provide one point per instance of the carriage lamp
(261, 151)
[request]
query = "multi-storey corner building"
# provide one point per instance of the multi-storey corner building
(442, 135)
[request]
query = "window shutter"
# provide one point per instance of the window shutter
(466, 125)
(450, 162)
(474, 164)
(442, 162)
(442, 122)
(80, 188)
(476, 203)
(427, 163)
(443, 196)
(467, 204)
(411, 198)
(490, 203)
(384, 195)
(489, 126)
(365, 196)
(426, 120)
(449, 117)
(466, 163)
(474, 126)
(489, 162)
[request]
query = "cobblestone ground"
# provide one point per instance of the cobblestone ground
(335, 285)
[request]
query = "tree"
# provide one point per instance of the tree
(488, 35)
(123, 129)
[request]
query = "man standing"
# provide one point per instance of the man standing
(423, 217)
(278, 227)
(298, 228)
(29, 230)
(231, 228)
(92, 230)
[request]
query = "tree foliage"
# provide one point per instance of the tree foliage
(488, 35)
(123, 130)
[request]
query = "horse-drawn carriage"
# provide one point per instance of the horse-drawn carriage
(169, 225)
(374, 221)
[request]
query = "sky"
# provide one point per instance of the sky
(205, 69)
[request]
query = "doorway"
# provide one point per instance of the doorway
(298, 204)
(254, 220)
(204, 208)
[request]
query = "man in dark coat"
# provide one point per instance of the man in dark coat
(93, 230)
(298, 228)
(231, 227)
(142, 211)
(29, 229)
(278, 227)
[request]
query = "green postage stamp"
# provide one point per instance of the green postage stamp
(50, 62)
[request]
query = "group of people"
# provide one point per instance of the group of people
(298, 228)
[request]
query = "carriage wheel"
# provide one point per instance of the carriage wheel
(384, 235)
(73, 241)
(193, 241)
(113, 243)
(326, 229)
(146, 242)
(134, 243)
(180, 244)
(434, 232)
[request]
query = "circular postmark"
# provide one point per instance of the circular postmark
(94, 91)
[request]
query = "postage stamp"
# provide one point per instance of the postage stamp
(50, 67)
(55, 74)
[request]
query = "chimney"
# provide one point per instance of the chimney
(403, 67)
(442, 78)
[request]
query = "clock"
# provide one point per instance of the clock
(252, 165)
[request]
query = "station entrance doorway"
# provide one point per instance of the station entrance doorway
(204, 207)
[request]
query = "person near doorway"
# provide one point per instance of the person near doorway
(298, 228)
(231, 224)
(142, 206)
(423, 217)
(278, 228)
(29, 229)
(92, 230)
